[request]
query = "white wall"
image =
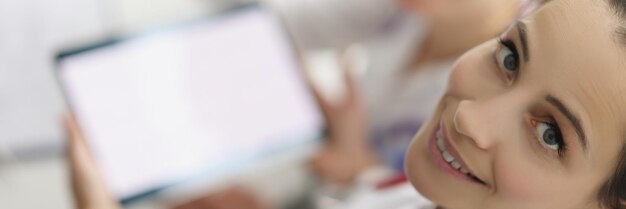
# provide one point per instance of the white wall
(30, 32)
(133, 15)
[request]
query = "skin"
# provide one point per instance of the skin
(491, 116)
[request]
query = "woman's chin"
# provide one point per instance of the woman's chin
(417, 165)
(423, 172)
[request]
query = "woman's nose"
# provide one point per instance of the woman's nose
(479, 122)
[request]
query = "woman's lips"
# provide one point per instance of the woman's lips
(447, 158)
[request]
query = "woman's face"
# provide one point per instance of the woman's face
(537, 117)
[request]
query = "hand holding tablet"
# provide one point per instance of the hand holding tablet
(197, 101)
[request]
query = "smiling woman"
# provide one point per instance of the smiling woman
(533, 119)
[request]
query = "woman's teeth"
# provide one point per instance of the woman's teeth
(447, 156)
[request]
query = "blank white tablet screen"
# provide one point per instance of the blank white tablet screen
(196, 99)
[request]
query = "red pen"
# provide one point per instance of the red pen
(391, 181)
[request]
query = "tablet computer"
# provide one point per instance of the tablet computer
(204, 98)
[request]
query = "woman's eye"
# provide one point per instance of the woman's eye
(507, 57)
(550, 136)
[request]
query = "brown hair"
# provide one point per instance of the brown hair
(613, 193)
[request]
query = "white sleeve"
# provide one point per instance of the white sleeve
(335, 23)
(280, 185)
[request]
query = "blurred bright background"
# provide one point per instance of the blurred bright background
(383, 38)
(32, 168)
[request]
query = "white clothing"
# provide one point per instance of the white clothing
(401, 196)
(365, 195)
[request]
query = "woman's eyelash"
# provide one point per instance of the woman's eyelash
(509, 44)
(507, 59)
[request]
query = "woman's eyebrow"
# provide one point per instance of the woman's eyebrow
(571, 117)
(522, 31)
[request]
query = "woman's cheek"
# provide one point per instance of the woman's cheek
(519, 181)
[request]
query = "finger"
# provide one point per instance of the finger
(334, 167)
(227, 199)
(73, 132)
(78, 153)
(219, 200)
(87, 184)
(322, 166)
(240, 198)
(348, 68)
(81, 182)
(201, 203)
(207, 202)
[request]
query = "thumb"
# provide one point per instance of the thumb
(88, 186)
(348, 69)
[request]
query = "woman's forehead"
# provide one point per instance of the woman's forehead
(577, 57)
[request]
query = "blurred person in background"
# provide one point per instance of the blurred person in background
(409, 47)
(535, 116)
